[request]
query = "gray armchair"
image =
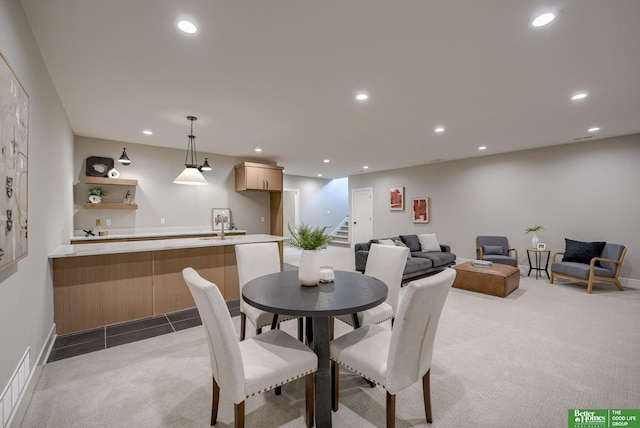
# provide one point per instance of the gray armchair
(578, 265)
(496, 249)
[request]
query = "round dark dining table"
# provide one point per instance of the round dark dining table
(281, 293)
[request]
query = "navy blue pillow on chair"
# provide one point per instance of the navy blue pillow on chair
(581, 252)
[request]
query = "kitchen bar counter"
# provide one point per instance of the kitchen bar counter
(74, 250)
(100, 284)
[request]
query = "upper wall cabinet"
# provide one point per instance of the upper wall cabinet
(258, 176)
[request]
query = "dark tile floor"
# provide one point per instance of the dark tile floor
(70, 345)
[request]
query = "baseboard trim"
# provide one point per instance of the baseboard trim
(25, 398)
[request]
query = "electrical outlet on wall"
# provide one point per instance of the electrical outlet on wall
(262, 219)
(108, 222)
(162, 220)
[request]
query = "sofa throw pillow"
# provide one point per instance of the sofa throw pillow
(581, 252)
(429, 242)
(497, 250)
(386, 242)
(412, 242)
(399, 243)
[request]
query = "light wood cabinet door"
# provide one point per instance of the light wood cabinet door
(256, 176)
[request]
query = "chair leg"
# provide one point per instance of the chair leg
(258, 331)
(332, 323)
(239, 415)
(617, 283)
(308, 331)
(335, 382)
(590, 285)
(215, 401)
(309, 401)
(391, 410)
(301, 329)
(426, 393)
(278, 390)
(551, 278)
(243, 325)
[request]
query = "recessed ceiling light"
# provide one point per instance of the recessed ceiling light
(482, 148)
(365, 167)
(579, 96)
(544, 19)
(326, 161)
(147, 132)
(362, 96)
(593, 129)
(319, 175)
(439, 129)
(257, 149)
(187, 26)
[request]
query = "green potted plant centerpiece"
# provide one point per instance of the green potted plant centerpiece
(534, 229)
(309, 240)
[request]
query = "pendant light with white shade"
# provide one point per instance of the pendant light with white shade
(191, 174)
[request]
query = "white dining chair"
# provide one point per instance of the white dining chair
(256, 365)
(400, 357)
(256, 260)
(386, 263)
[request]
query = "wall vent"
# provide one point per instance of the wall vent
(11, 393)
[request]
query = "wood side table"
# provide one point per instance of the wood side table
(537, 258)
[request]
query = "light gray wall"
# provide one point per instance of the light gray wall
(26, 291)
(585, 191)
(322, 202)
(157, 196)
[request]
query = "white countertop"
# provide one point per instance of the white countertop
(151, 233)
(156, 245)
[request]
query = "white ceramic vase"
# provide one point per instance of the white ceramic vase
(309, 270)
(534, 240)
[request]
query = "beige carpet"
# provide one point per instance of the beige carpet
(522, 361)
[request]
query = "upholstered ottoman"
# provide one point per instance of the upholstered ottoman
(497, 280)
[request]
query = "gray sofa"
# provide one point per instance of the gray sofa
(418, 265)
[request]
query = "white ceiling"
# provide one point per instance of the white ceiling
(282, 75)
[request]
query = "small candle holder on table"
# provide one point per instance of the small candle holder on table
(326, 274)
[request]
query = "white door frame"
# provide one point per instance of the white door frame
(353, 238)
(296, 204)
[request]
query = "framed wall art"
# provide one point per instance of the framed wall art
(221, 217)
(420, 210)
(396, 198)
(14, 139)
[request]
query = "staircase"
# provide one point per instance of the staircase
(340, 235)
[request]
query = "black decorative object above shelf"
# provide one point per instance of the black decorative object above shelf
(98, 166)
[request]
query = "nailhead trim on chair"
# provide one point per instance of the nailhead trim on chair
(380, 322)
(358, 373)
(270, 387)
(268, 324)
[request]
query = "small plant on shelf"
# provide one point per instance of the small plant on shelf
(96, 194)
(306, 237)
(97, 191)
